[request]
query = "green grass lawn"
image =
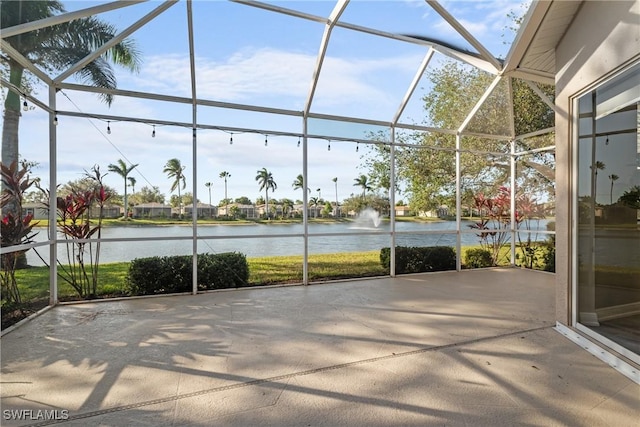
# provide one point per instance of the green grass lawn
(34, 281)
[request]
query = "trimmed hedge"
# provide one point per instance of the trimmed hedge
(173, 274)
(420, 259)
(477, 258)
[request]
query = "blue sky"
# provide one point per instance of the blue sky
(250, 56)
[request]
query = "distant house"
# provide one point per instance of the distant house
(108, 211)
(403, 211)
(312, 211)
(440, 212)
(152, 210)
(40, 211)
(244, 211)
(261, 209)
(203, 210)
(37, 209)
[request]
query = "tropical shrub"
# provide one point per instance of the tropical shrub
(15, 228)
(478, 258)
(494, 222)
(420, 259)
(174, 274)
(81, 256)
(549, 250)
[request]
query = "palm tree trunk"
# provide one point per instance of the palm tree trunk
(266, 202)
(126, 205)
(611, 194)
(11, 118)
(225, 196)
(10, 136)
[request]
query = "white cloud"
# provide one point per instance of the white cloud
(262, 75)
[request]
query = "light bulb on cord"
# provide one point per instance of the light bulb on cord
(153, 132)
(25, 106)
(109, 128)
(298, 142)
(266, 142)
(231, 140)
(55, 120)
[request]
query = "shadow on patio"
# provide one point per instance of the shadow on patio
(468, 348)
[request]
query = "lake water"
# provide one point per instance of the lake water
(271, 239)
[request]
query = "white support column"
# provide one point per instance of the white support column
(53, 172)
(324, 44)
(194, 150)
(392, 201)
(513, 205)
(305, 201)
(458, 206)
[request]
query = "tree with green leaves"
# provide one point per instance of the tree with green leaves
(426, 167)
(181, 201)
(175, 171)
(613, 177)
(363, 182)
(597, 166)
(243, 200)
(287, 207)
(298, 183)
(335, 182)
(266, 183)
(225, 175)
(121, 168)
(83, 185)
(631, 197)
(132, 184)
(147, 195)
(57, 48)
(208, 185)
(313, 202)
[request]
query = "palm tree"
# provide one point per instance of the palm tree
(132, 184)
(335, 181)
(225, 175)
(287, 206)
(121, 169)
(265, 179)
(208, 185)
(174, 169)
(298, 182)
(363, 182)
(613, 177)
(598, 165)
(57, 48)
(314, 201)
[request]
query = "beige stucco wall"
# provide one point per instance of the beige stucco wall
(604, 36)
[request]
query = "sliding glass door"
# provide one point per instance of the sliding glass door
(607, 213)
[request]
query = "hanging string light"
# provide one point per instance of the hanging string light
(55, 120)
(329, 146)
(266, 142)
(153, 132)
(231, 139)
(108, 128)
(298, 142)
(25, 106)
(357, 146)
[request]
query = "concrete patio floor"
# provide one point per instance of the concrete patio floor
(475, 348)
